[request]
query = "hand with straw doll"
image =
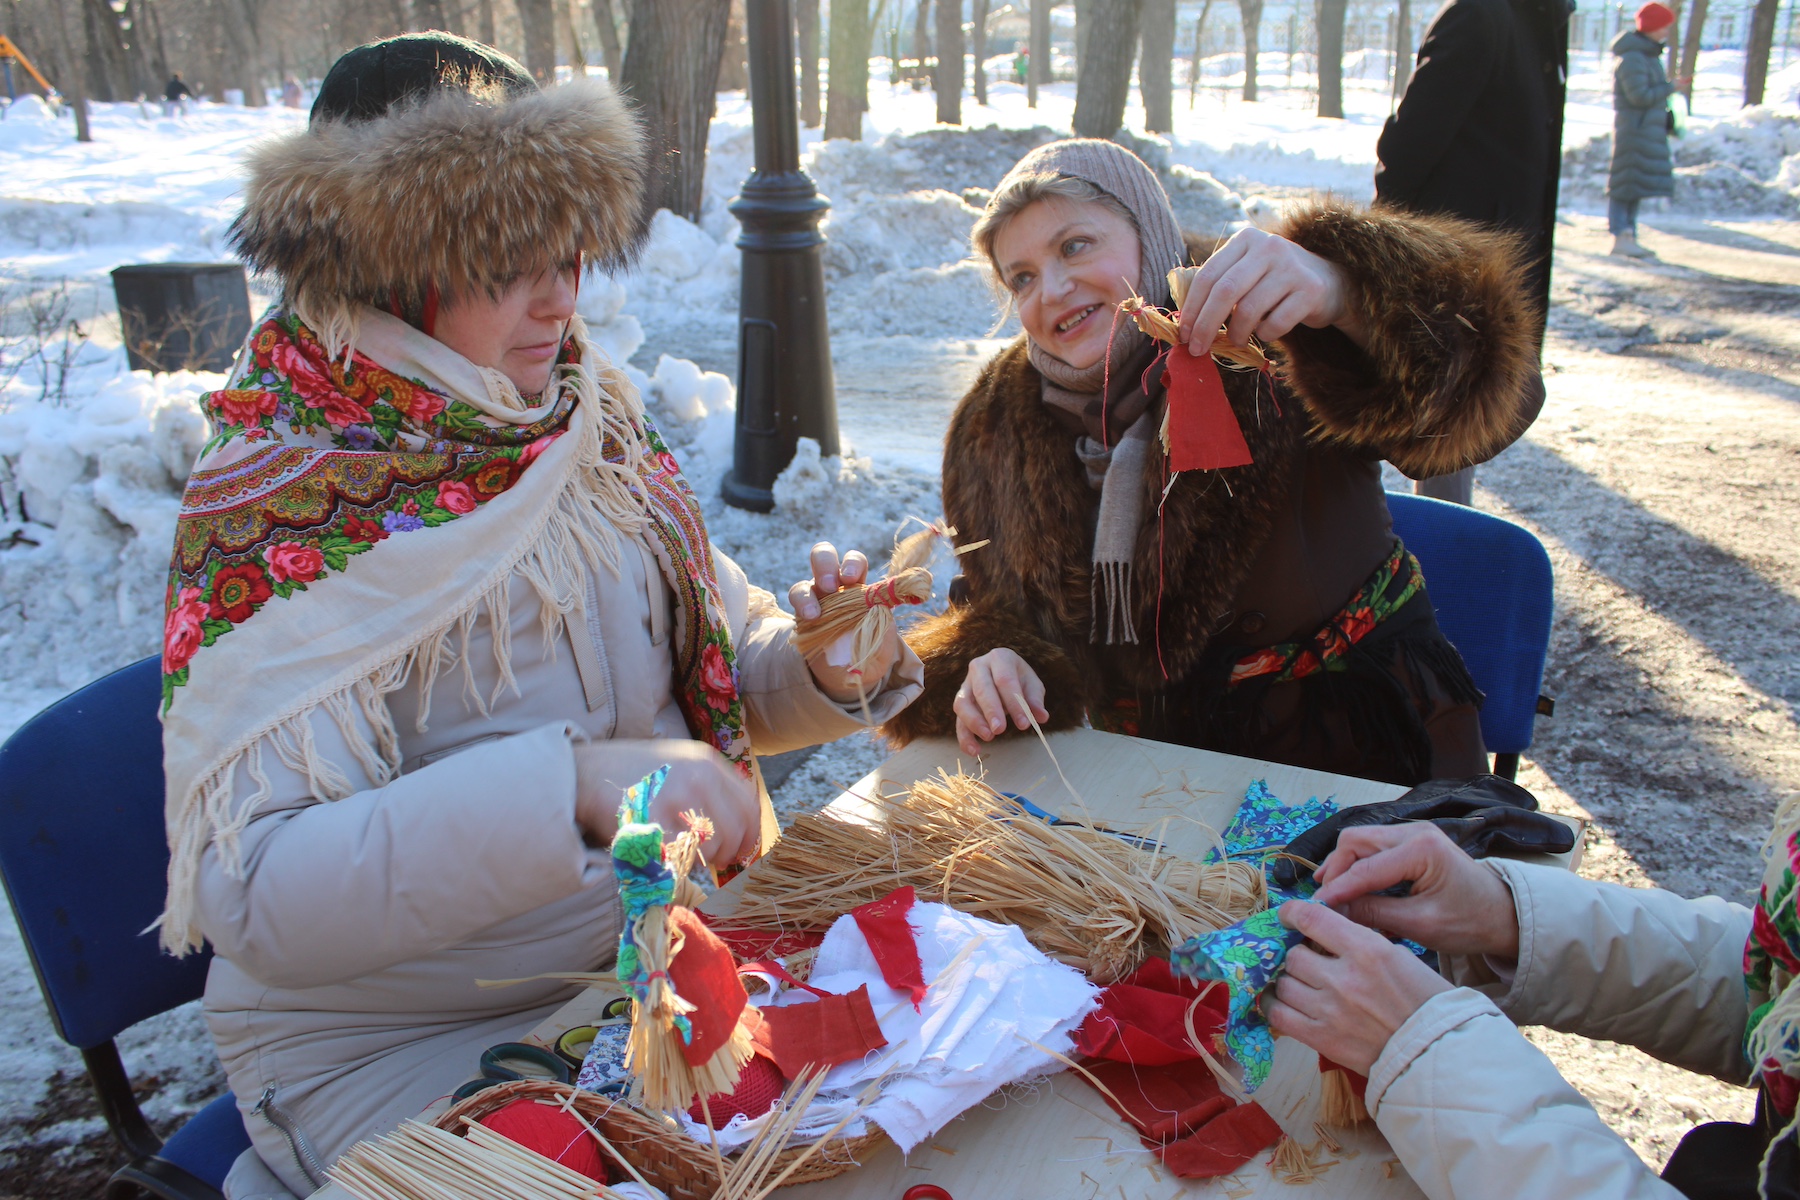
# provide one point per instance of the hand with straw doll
(834, 668)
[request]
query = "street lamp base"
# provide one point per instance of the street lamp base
(745, 495)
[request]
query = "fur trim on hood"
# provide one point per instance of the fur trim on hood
(459, 191)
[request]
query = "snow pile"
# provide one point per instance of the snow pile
(1747, 164)
(88, 499)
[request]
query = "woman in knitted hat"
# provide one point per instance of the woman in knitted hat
(439, 594)
(1265, 610)
(1641, 165)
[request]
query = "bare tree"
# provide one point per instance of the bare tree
(734, 65)
(1156, 65)
(978, 16)
(1037, 67)
(1330, 17)
(949, 81)
(109, 73)
(538, 17)
(671, 67)
(74, 73)
(1199, 54)
(1756, 50)
(609, 37)
(565, 12)
(1690, 49)
(1404, 49)
(847, 97)
(484, 21)
(1250, 14)
(243, 25)
(1104, 81)
(806, 22)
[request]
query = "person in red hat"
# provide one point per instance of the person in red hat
(1641, 165)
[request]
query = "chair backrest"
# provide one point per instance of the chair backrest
(83, 855)
(1491, 585)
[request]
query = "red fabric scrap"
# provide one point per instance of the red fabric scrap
(749, 944)
(892, 941)
(1224, 1144)
(1204, 434)
(705, 975)
(1143, 1018)
(824, 1032)
(1180, 1113)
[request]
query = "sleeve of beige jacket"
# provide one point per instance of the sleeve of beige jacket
(1476, 1112)
(783, 703)
(333, 891)
(1636, 965)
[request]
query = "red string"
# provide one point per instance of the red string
(1161, 574)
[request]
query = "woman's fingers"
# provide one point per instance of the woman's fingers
(1370, 860)
(1010, 675)
(854, 569)
(1338, 935)
(1201, 289)
(804, 601)
(986, 699)
(1289, 313)
(825, 568)
(1034, 693)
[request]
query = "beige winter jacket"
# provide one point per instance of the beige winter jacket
(1475, 1112)
(343, 996)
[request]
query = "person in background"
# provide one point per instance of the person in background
(1021, 64)
(1641, 165)
(1478, 134)
(175, 96)
(290, 92)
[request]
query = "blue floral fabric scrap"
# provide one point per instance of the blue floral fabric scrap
(1249, 956)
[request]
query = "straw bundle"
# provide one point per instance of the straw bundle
(1079, 894)
(866, 611)
(419, 1162)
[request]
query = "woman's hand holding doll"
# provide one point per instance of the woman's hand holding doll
(1263, 285)
(839, 680)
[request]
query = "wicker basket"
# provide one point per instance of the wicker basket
(663, 1154)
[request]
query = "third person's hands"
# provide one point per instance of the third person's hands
(998, 685)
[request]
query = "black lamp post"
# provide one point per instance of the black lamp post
(785, 386)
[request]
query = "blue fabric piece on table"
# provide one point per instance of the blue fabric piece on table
(1263, 825)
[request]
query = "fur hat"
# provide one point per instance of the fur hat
(432, 163)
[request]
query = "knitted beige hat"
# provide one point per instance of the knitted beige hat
(1124, 176)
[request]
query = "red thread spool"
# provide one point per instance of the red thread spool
(552, 1133)
(925, 1191)
(758, 1088)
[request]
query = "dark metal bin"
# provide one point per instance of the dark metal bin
(182, 316)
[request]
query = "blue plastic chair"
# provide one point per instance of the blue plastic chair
(83, 856)
(1491, 584)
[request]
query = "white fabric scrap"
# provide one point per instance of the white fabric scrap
(990, 995)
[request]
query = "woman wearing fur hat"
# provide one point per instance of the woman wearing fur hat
(439, 594)
(1264, 610)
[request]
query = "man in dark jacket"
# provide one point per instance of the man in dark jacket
(1478, 135)
(173, 95)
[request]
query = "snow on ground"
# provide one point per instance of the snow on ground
(92, 456)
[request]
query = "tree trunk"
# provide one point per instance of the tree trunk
(74, 72)
(1104, 81)
(1330, 16)
(484, 21)
(949, 82)
(609, 36)
(806, 20)
(734, 64)
(537, 20)
(243, 29)
(565, 11)
(847, 97)
(670, 69)
(1404, 49)
(1250, 14)
(1756, 50)
(1084, 24)
(1199, 51)
(922, 36)
(429, 14)
(1156, 65)
(108, 67)
(1037, 65)
(1690, 49)
(159, 51)
(978, 15)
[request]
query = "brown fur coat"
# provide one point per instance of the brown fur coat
(1450, 378)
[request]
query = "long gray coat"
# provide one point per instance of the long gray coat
(1640, 159)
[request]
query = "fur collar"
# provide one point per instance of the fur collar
(458, 192)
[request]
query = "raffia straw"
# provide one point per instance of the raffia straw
(1228, 1083)
(420, 1162)
(1080, 895)
(1045, 742)
(1293, 1163)
(1338, 1102)
(866, 610)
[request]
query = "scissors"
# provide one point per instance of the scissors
(515, 1060)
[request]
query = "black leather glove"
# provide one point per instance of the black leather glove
(1485, 815)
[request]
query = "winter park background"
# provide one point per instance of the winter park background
(1662, 475)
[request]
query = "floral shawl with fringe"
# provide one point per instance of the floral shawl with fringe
(348, 522)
